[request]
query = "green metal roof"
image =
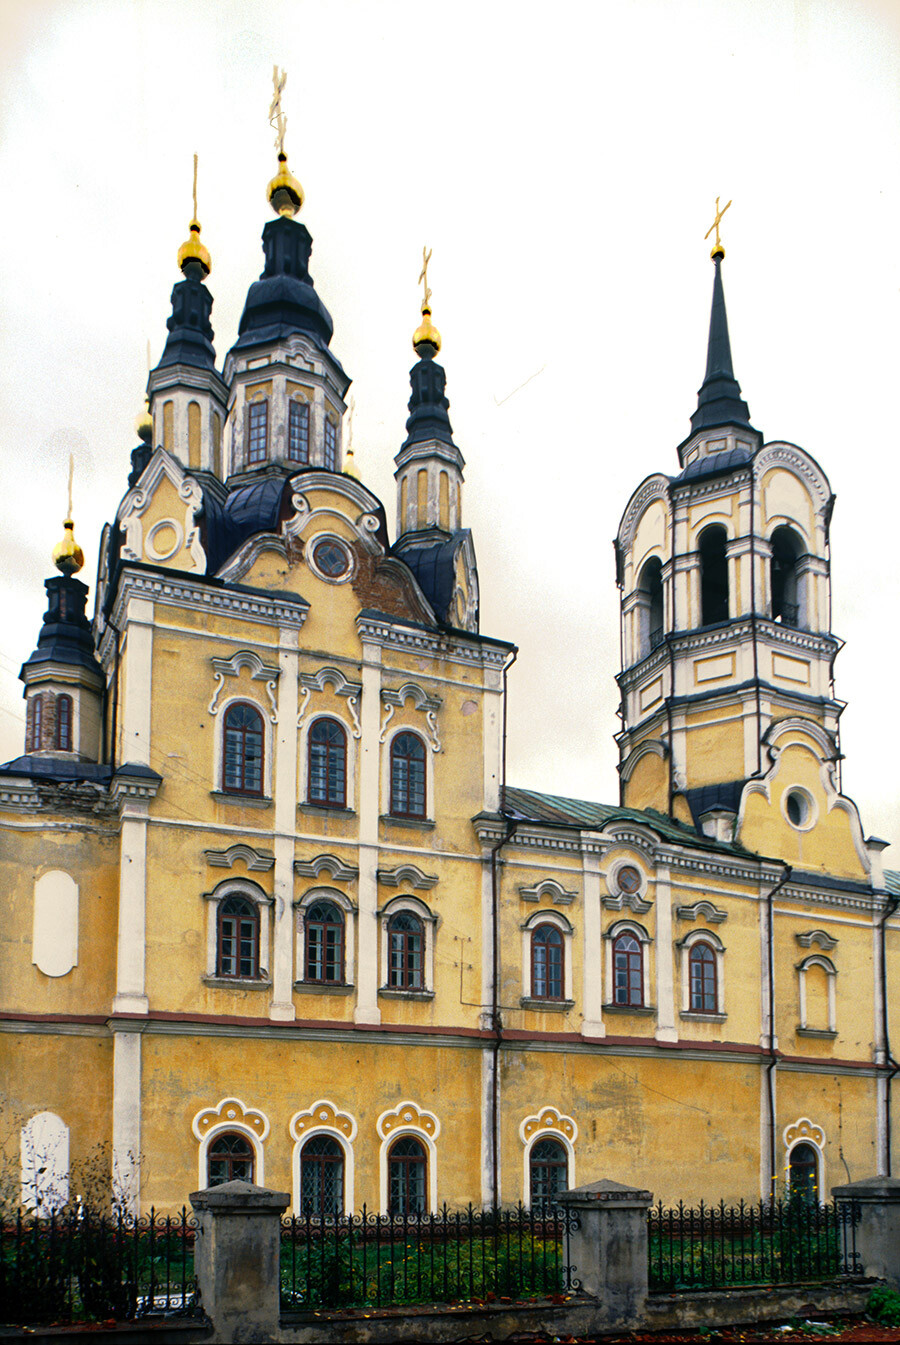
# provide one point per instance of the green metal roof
(892, 881)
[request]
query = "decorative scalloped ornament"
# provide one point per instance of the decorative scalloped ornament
(803, 1129)
(231, 1110)
(322, 1113)
(548, 1121)
(408, 1116)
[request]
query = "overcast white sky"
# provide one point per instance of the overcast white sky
(563, 163)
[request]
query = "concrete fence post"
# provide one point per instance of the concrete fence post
(878, 1232)
(237, 1256)
(608, 1251)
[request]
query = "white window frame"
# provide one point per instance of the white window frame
(545, 917)
(611, 934)
(815, 1145)
(685, 945)
(268, 747)
(818, 960)
(349, 734)
(349, 912)
(417, 1132)
(428, 815)
(526, 1161)
(241, 887)
(429, 920)
(346, 1143)
(237, 1126)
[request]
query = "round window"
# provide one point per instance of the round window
(628, 880)
(330, 558)
(798, 808)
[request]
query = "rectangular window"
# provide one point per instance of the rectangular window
(330, 445)
(298, 432)
(34, 718)
(257, 431)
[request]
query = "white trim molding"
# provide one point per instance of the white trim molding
(324, 1118)
(417, 907)
(546, 1123)
(559, 921)
(337, 870)
(684, 946)
(230, 1114)
(256, 860)
(802, 1131)
(408, 1119)
(548, 888)
(259, 672)
(240, 887)
(407, 875)
(830, 970)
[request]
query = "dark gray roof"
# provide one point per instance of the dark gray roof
(284, 299)
(715, 464)
(58, 770)
(434, 568)
(719, 400)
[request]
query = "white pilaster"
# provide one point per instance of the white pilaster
(284, 775)
(131, 950)
(665, 972)
(126, 1119)
(592, 993)
(137, 681)
(487, 1124)
(492, 730)
(367, 1010)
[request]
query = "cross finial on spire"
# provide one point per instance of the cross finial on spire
(717, 249)
(423, 277)
(195, 186)
(277, 119)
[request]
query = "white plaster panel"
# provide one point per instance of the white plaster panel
(55, 931)
(44, 1153)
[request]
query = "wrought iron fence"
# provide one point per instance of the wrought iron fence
(772, 1242)
(76, 1265)
(380, 1260)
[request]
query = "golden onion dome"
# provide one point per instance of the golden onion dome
(192, 250)
(68, 556)
(143, 423)
(426, 334)
(284, 193)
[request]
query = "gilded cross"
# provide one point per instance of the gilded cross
(277, 119)
(423, 276)
(715, 225)
(195, 186)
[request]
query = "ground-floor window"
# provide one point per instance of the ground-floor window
(803, 1172)
(228, 1159)
(549, 1171)
(407, 1172)
(321, 1177)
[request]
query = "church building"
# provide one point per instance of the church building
(270, 908)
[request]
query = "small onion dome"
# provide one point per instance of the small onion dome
(192, 250)
(426, 336)
(68, 556)
(143, 424)
(284, 193)
(350, 468)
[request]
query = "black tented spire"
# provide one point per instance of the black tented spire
(190, 331)
(719, 401)
(428, 407)
(284, 299)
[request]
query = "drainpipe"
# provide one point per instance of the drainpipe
(496, 1020)
(773, 1056)
(892, 1065)
(753, 620)
(115, 696)
(669, 636)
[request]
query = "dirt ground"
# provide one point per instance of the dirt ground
(799, 1330)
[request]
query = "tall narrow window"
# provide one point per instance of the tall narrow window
(243, 729)
(803, 1172)
(786, 551)
(628, 971)
(407, 1175)
(238, 942)
(34, 723)
(321, 1178)
(406, 952)
(408, 776)
(330, 458)
(298, 432)
(228, 1159)
(702, 971)
(257, 431)
(650, 609)
(328, 764)
(64, 723)
(549, 1165)
(547, 962)
(324, 928)
(713, 575)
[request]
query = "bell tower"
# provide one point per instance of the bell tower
(723, 571)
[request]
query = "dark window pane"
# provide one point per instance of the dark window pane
(408, 776)
(298, 432)
(328, 764)
(257, 431)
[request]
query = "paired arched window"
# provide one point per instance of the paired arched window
(406, 952)
(64, 723)
(803, 1172)
(229, 1158)
(713, 575)
(321, 1177)
(786, 552)
(704, 996)
(547, 963)
(324, 932)
(237, 944)
(628, 971)
(327, 750)
(407, 1177)
(549, 1171)
(650, 589)
(243, 754)
(407, 776)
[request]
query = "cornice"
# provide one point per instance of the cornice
(435, 644)
(57, 796)
(263, 608)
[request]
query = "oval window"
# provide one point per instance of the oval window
(330, 558)
(628, 880)
(798, 808)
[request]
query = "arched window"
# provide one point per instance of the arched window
(237, 946)
(713, 575)
(243, 729)
(549, 1164)
(702, 971)
(407, 1177)
(803, 1172)
(786, 551)
(328, 764)
(298, 432)
(324, 928)
(406, 952)
(628, 971)
(321, 1177)
(64, 723)
(330, 457)
(547, 963)
(229, 1158)
(650, 609)
(407, 776)
(257, 431)
(34, 722)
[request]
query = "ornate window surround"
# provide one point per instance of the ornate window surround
(546, 1123)
(323, 1118)
(408, 1119)
(684, 946)
(219, 748)
(609, 937)
(802, 1131)
(231, 1114)
(348, 910)
(818, 960)
(416, 907)
(547, 917)
(351, 737)
(240, 887)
